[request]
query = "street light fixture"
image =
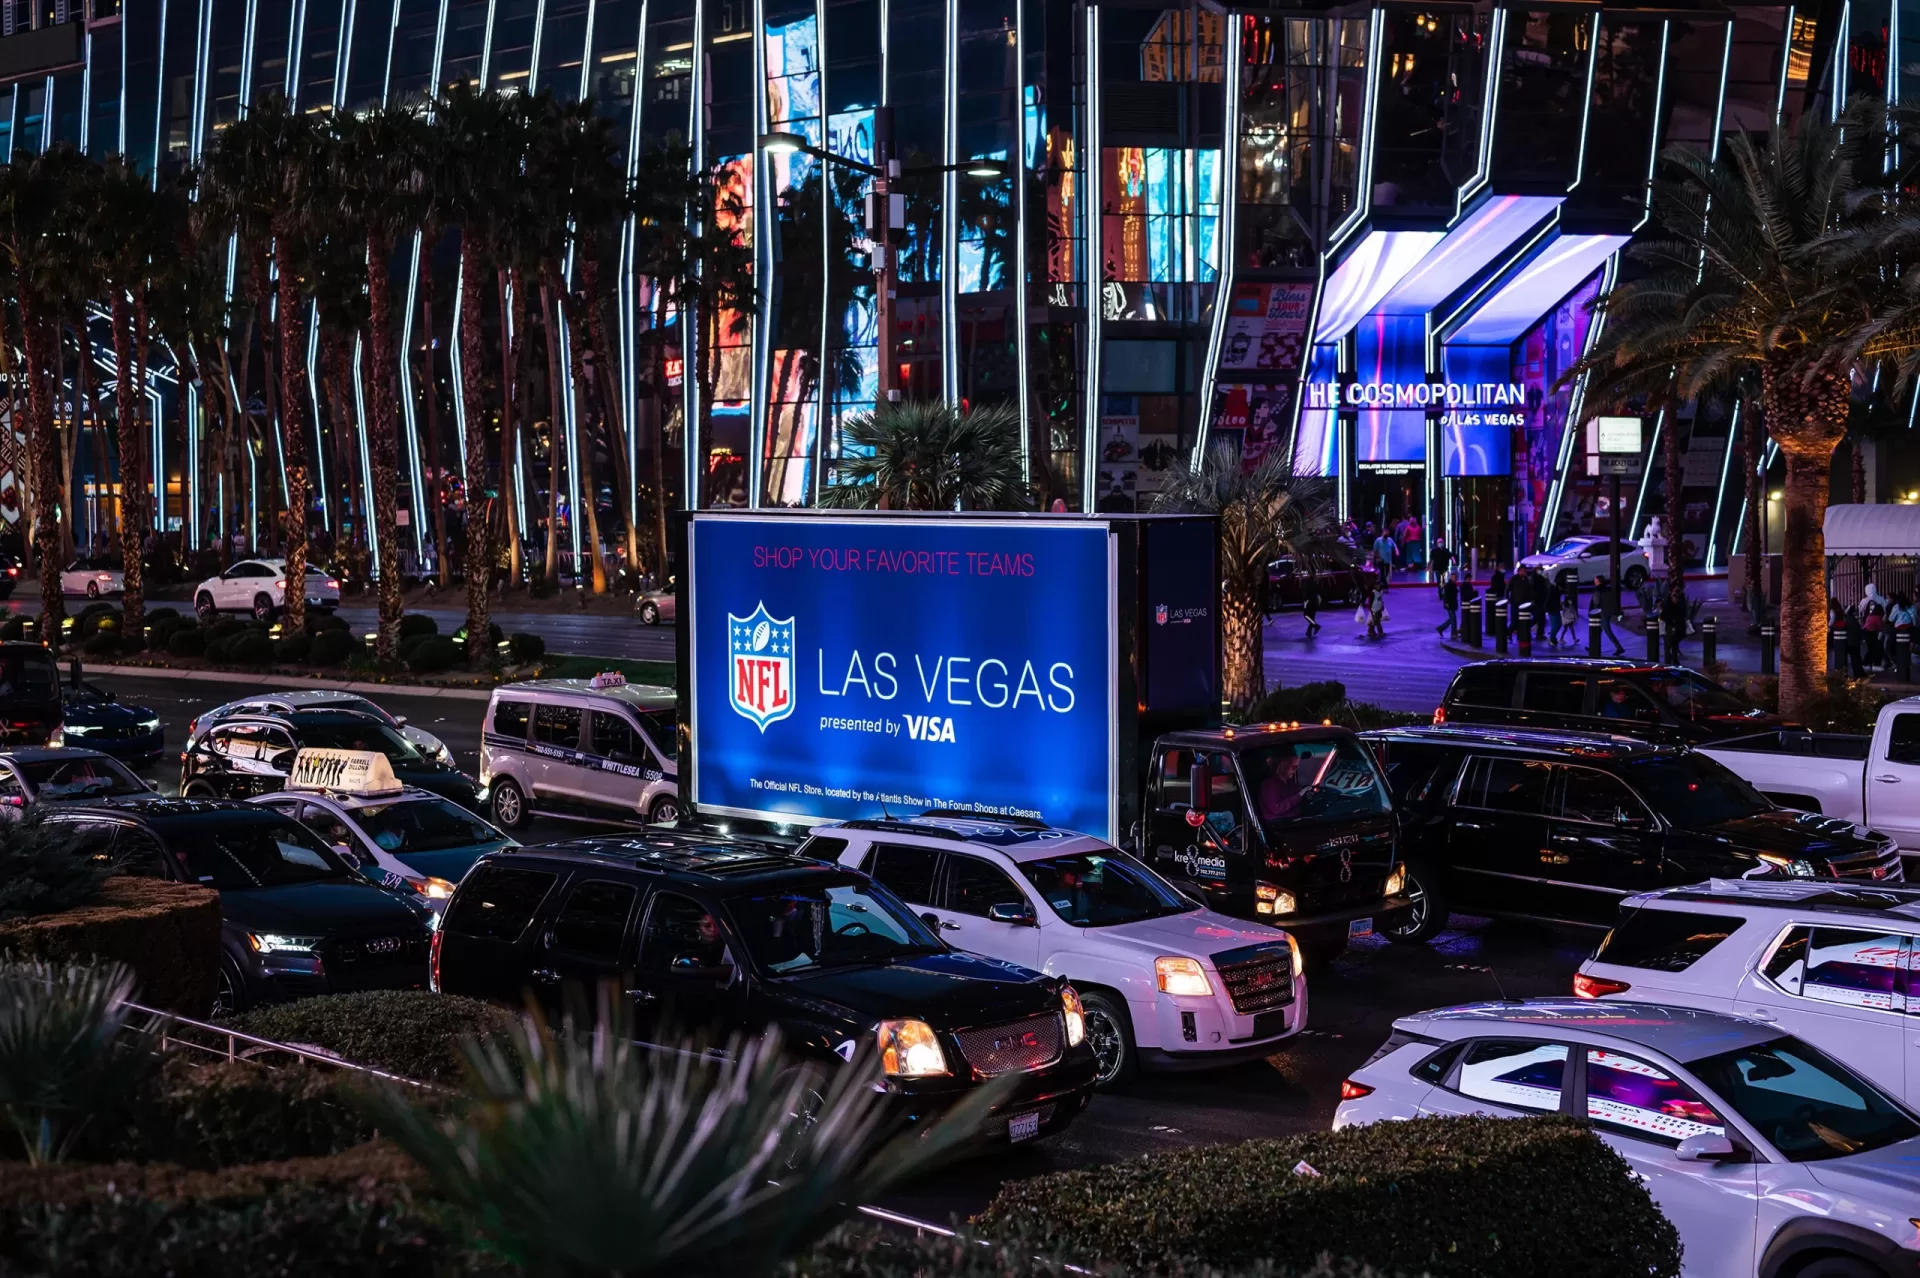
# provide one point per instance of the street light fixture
(782, 143)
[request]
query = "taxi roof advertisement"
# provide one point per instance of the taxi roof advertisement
(870, 666)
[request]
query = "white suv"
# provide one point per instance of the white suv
(259, 587)
(1830, 963)
(598, 749)
(1768, 1156)
(1167, 984)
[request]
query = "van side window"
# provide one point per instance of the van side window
(613, 738)
(1556, 691)
(1483, 686)
(557, 725)
(510, 718)
(496, 902)
(1846, 966)
(593, 922)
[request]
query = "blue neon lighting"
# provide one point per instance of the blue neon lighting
(1380, 261)
(1539, 285)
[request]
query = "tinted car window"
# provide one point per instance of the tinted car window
(1695, 698)
(360, 734)
(1808, 1106)
(1507, 785)
(822, 848)
(1556, 691)
(1903, 739)
(907, 872)
(31, 676)
(1091, 889)
(1483, 686)
(1515, 1072)
(496, 902)
(1621, 698)
(83, 778)
(1588, 794)
(614, 737)
(594, 919)
(557, 725)
(232, 854)
(424, 825)
(1410, 768)
(1852, 967)
(1691, 790)
(975, 886)
(1636, 1097)
(510, 717)
(820, 927)
(1664, 940)
(683, 930)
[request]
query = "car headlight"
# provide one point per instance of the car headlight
(150, 725)
(1268, 899)
(1789, 866)
(281, 943)
(77, 729)
(434, 889)
(908, 1049)
(1182, 976)
(1397, 881)
(1076, 1016)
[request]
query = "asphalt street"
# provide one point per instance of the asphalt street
(1352, 1002)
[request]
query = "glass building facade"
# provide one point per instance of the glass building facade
(1209, 227)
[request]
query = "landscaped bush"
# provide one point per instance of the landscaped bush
(224, 1114)
(417, 623)
(494, 634)
(319, 622)
(15, 627)
(433, 655)
(94, 618)
(294, 647)
(227, 628)
(863, 1250)
(527, 648)
(1326, 700)
(187, 641)
(331, 647)
(66, 1061)
(407, 1032)
(168, 933)
(102, 643)
(1485, 1197)
(254, 648)
(162, 625)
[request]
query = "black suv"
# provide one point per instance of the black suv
(30, 705)
(1562, 825)
(715, 935)
(1671, 705)
(251, 754)
(295, 919)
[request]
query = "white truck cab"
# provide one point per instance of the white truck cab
(598, 749)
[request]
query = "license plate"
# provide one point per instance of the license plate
(1023, 1126)
(1359, 929)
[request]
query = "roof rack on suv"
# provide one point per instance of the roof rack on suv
(985, 818)
(903, 825)
(1808, 894)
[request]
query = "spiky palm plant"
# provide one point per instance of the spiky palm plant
(63, 1057)
(1264, 513)
(930, 455)
(583, 1153)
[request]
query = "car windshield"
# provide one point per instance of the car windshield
(87, 777)
(361, 704)
(1695, 697)
(1807, 1105)
(848, 924)
(1312, 780)
(1572, 546)
(1101, 889)
(228, 854)
(1691, 790)
(368, 734)
(423, 825)
(31, 676)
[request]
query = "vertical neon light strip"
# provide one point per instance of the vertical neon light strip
(758, 406)
(822, 368)
(1489, 103)
(1586, 103)
(950, 209)
(86, 89)
(1363, 192)
(690, 441)
(453, 333)
(1720, 496)
(1786, 66)
(1838, 97)
(486, 54)
(626, 302)
(1022, 285)
(575, 525)
(1659, 107)
(1575, 406)
(1223, 236)
(366, 462)
(1094, 271)
(415, 469)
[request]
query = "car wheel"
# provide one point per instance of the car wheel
(1110, 1035)
(1429, 913)
(1835, 1266)
(649, 613)
(198, 790)
(203, 604)
(509, 805)
(1634, 577)
(230, 989)
(93, 590)
(665, 810)
(262, 607)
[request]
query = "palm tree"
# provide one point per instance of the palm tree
(927, 455)
(1264, 513)
(1737, 283)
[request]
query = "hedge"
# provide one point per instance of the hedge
(412, 1033)
(254, 648)
(433, 654)
(417, 625)
(168, 933)
(863, 1250)
(224, 1114)
(331, 647)
(1487, 1197)
(293, 647)
(187, 641)
(526, 648)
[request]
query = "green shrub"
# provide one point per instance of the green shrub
(95, 617)
(319, 623)
(294, 647)
(224, 1114)
(187, 641)
(1485, 1197)
(168, 933)
(15, 627)
(65, 1060)
(102, 643)
(254, 648)
(1326, 700)
(494, 634)
(527, 648)
(44, 868)
(331, 647)
(407, 1032)
(417, 624)
(862, 1250)
(159, 615)
(433, 655)
(227, 628)
(133, 643)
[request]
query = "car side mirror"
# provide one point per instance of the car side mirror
(1199, 786)
(1708, 1147)
(400, 719)
(931, 919)
(1586, 554)
(1018, 913)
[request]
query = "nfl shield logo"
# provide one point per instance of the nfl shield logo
(1160, 613)
(761, 651)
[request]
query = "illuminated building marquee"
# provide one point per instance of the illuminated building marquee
(1415, 395)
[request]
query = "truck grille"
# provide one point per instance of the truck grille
(1258, 979)
(1880, 866)
(1015, 1047)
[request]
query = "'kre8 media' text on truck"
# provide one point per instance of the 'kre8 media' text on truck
(1043, 667)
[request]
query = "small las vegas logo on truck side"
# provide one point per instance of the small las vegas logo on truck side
(760, 649)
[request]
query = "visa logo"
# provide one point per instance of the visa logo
(929, 727)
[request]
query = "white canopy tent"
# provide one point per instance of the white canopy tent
(1873, 530)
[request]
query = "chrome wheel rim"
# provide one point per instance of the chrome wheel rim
(223, 994)
(506, 805)
(1109, 1046)
(666, 813)
(1417, 909)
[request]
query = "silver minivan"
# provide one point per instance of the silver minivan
(597, 749)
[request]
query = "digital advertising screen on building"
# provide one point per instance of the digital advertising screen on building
(868, 666)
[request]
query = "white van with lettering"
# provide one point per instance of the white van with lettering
(598, 749)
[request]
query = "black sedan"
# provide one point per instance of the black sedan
(93, 717)
(248, 755)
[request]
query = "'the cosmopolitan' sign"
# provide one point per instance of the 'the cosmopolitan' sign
(1415, 394)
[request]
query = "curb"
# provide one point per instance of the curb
(362, 686)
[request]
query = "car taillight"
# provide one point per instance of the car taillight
(1585, 986)
(1350, 1090)
(433, 961)
(1439, 715)
(332, 584)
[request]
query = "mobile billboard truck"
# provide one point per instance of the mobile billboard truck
(1040, 669)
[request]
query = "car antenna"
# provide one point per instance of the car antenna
(1504, 996)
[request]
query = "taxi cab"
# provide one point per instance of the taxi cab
(598, 749)
(399, 836)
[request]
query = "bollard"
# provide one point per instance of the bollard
(1595, 617)
(1903, 654)
(1524, 637)
(1709, 642)
(1767, 656)
(1653, 638)
(1670, 640)
(1500, 629)
(1470, 622)
(1837, 649)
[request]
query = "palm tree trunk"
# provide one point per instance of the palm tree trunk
(384, 446)
(132, 472)
(553, 441)
(1755, 444)
(589, 488)
(269, 384)
(1808, 421)
(606, 366)
(142, 334)
(338, 378)
(1859, 468)
(513, 397)
(46, 470)
(436, 485)
(24, 481)
(1676, 507)
(292, 331)
(472, 389)
(1243, 673)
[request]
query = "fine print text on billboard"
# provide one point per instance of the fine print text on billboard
(866, 667)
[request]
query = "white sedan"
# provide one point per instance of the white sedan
(1586, 559)
(95, 577)
(259, 587)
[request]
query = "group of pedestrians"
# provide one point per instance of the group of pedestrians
(1869, 630)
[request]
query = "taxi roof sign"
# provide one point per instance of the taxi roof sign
(608, 679)
(343, 772)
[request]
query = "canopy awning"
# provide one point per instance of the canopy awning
(1873, 530)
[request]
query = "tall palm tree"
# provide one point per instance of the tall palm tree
(1264, 513)
(927, 455)
(1736, 282)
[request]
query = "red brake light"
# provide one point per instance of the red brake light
(1350, 1090)
(1439, 715)
(433, 961)
(280, 584)
(1585, 986)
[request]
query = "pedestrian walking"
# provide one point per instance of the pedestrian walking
(1850, 636)
(1442, 559)
(1497, 584)
(1569, 622)
(1873, 621)
(1377, 614)
(1383, 551)
(1310, 608)
(1549, 610)
(1450, 604)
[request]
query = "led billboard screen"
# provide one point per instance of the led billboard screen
(859, 667)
